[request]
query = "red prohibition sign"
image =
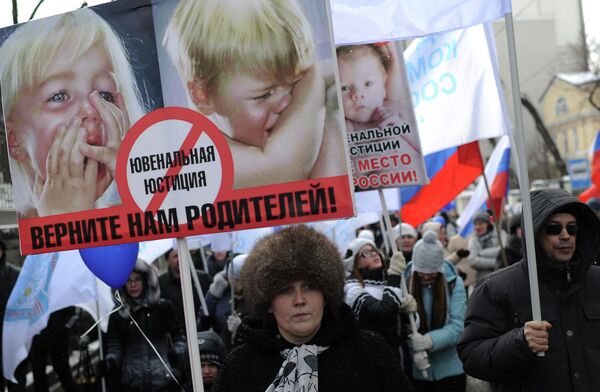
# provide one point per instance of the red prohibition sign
(199, 125)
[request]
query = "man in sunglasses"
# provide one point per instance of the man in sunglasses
(500, 343)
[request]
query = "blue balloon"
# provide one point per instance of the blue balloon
(112, 264)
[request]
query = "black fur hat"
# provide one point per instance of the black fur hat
(295, 253)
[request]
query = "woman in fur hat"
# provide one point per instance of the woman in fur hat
(442, 303)
(301, 335)
(127, 351)
(373, 291)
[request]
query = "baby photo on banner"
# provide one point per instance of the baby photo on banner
(150, 119)
(381, 128)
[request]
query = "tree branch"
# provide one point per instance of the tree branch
(593, 93)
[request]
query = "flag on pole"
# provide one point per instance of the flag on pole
(458, 100)
(357, 21)
(497, 173)
(450, 171)
(456, 94)
(594, 190)
(47, 282)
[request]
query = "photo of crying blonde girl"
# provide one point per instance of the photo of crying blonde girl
(68, 95)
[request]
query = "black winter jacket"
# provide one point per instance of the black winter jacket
(141, 370)
(170, 289)
(356, 360)
(492, 346)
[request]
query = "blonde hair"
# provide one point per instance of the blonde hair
(26, 55)
(267, 38)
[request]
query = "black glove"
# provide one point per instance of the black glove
(462, 253)
(106, 367)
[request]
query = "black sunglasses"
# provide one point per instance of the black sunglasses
(556, 229)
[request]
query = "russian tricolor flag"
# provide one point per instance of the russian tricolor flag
(451, 171)
(594, 190)
(496, 171)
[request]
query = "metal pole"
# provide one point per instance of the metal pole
(204, 261)
(496, 221)
(198, 288)
(188, 310)
(388, 235)
(523, 174)
(100, 348)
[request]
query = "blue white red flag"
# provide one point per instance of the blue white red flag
(594, 190)
(451, 171)
(497, 173)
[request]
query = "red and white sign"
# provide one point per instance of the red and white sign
(171, 158)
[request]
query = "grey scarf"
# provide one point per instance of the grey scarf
(299, 370)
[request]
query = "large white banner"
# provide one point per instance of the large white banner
(454, 87)
(359, 21)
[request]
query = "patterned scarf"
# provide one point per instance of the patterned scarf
(299, 370)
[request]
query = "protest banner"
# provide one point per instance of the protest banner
(121, 134)
(383, 140)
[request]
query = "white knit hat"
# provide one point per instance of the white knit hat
(353, 248)
(237, 263)
(368, 234)
(428, 254)
(406, 230)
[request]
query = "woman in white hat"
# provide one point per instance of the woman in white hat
(441, 304)
(372, 290)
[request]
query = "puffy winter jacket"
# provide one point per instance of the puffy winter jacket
(483, 253)
(356, 360)
(140, 369)
(492, 346)
(443, 357)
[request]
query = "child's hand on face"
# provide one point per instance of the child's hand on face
(385, 117)
(70, 183)
(116, 123)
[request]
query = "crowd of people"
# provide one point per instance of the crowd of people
(297, 313)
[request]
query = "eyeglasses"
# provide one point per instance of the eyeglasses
(368, 253)
(556, 229)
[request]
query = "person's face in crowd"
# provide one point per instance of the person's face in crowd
(209, 372)
(69, 90)
(408, 242)
(298, 310)
(443, 236)
(480, 228)
(558, 237)
(519, 232)
(135, 285)
(220, 256)
(368, 258)
(173, 261)
(363, 85)
(427, 278)
(252, 105)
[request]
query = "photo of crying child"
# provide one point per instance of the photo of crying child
(253, 69)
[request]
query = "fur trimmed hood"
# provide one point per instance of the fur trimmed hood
(295, 253)
(151, 294)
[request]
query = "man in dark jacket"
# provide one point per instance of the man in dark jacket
(500, 342)
(170, 287)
